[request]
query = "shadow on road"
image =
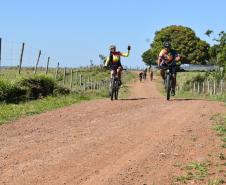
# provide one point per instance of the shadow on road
(187, 99)
(133, 99)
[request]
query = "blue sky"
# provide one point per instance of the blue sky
(75, 31)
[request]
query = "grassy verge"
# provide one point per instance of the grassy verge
(200, 173)
(211, 171)
(11, 112)
(220, 127)
(188, 77)
(189, 95)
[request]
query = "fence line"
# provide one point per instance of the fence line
(206, 87)
(16, 55)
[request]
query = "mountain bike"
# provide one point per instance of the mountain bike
(170, 70)
(114, 87)
(140, 77)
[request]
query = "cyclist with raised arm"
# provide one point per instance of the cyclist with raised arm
(114, 61)
(168, 56)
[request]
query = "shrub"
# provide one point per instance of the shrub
(61, 91)
(10, 92)
(38, 86)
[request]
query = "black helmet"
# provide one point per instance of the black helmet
(167, 44)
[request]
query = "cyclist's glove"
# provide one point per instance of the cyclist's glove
(129, 48)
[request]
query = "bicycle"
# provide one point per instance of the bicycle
(114, 91)
(114, 86)
(140, 77)
(170, 70)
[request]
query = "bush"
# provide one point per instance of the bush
(29, 88)
(10, 92)
(61, 91)
(37, 86)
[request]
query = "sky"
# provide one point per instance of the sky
(73, 32)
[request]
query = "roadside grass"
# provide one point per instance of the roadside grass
(220, 127)
(211, 171)
(196, 96)
(10, 111)
(187, 77)
(94, 73)
(196, 172)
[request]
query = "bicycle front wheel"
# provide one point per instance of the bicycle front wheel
(112, 88)
(168, 86)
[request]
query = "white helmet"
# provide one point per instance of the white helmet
(112, 47)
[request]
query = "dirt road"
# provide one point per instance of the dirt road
(127, 142)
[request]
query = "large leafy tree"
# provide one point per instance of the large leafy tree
(184, 41)
(218, 51)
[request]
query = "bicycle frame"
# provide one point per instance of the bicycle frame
(170, 70)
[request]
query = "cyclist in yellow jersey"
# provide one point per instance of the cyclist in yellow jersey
(168, 56)
(114, 61)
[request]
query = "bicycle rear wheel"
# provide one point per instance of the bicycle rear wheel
(168, 86)
(116, 90)
(112, 88)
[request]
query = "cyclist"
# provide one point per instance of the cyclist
(145, 74)
(114, 61)
(140, 76)
(168, 56)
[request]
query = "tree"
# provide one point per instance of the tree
(148, 57)
(184, 41)
(217, 52)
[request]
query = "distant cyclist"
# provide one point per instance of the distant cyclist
(140, 76)
(114, 61)
(168, 56)
(145, 74)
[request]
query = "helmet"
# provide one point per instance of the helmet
(112, 47)
(167, 44)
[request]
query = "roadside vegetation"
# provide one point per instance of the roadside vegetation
(211, 171)
(33, 94)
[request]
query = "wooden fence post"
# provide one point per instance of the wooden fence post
(194, 87)
(47, 66)
(36, 66)
(57, 70)
(64, 77)
(21, 57)
(84, 84)
(198, 88)
(91, 84)
(221, 87)
(71, 81)
(208, 86)
(76, 78)
(80, 80)
(203, 87)
(190, 87)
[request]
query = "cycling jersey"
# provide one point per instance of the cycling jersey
(116, 58)
(167, 56)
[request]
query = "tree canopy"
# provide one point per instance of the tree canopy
(184, 40)
(217, 52)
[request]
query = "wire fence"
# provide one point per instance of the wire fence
(206, 87)
(21, 59)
